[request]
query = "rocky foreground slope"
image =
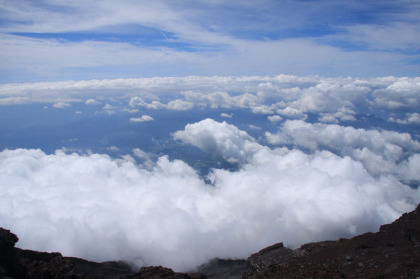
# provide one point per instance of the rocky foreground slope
(393, 252)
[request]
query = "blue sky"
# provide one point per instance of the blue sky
(62, 40)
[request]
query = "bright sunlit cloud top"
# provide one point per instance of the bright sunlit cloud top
(56, 40)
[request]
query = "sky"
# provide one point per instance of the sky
(74, 40)
(174, 132)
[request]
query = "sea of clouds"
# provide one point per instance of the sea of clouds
(307, 181)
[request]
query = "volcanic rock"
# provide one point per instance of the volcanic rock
(393, 252)
(19, 263)
(159, 272)
(223, 268)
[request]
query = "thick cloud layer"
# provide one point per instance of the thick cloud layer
(101, 208)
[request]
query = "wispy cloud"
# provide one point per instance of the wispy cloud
(74, 40)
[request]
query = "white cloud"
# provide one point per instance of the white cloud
(61, 105)
(144, 157)
(264, 109)
(343, 114)
(379, 151)
(221, 99)
(410, 168)
(139, 102)
(143, 118)
(226, 115)
(220, 139)
(107, 107)
(411, 118)
(211, 99)
(101, 208)
(292, 113)
(333, 99)
(179, 105)
(328, 118)
(112, 148)
(130, 110)
(14, 100)
(400, 93)
(92, 102)
(254, 127)
(274, 118)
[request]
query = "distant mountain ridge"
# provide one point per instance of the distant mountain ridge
(393, 252)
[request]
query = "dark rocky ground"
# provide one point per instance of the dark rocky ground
(393, 252)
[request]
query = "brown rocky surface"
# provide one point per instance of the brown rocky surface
(393, 252)
(223, 268)
(19, 263)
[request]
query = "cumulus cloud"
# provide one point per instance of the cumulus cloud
(343, 114)
(292, 113)
(226, 115)
(379, 151)
(143, 118)
(274, 118)
(221, 99)
(410, 168)
(220, 139)
(108, 107)
(139, 102)
(61, 105)
(400, 93)
(293, 97)
(92, 102)
(179, 105)
(411, 118)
